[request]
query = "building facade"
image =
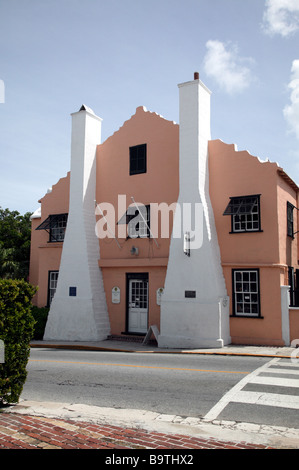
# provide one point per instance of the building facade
(161, 226)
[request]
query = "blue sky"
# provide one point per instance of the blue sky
(116, 55)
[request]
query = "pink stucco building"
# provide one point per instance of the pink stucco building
(160, 225)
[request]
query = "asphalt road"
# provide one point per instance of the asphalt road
(185, 385)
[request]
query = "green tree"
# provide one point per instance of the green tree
(15, 235)
(8, 267)
(16, 332)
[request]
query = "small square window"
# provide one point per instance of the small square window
(57, 230)
(245, 213)
(138, 159)
(138, 225)
(137, 220)
(55, 225)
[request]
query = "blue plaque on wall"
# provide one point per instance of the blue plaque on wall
(73, 291)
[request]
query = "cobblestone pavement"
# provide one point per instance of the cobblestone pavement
(34, 432)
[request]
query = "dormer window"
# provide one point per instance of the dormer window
(138, 159)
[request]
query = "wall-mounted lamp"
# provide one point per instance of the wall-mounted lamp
(134, 251)
(187, 243)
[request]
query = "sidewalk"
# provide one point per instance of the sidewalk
(26, 431)
(42, 425)
(135, 346)
(34, 425)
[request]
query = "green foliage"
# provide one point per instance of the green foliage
(15, 237)
(40, 316)
(16, 331)
(8, 266)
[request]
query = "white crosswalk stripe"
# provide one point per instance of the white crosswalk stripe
(270, 399)
(282, 371)
(282, 382)
(273, 374)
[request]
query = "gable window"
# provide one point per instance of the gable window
(245, 213)
(246, 292)
(290, 219)
(138, 159)
(55, 225)
(52, 285)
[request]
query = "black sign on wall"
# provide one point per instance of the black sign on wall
(190, 294)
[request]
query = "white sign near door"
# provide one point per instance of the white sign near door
(115, 295)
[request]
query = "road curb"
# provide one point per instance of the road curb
(78, 347)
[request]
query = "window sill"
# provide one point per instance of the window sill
(247, 316)
(247, 231)
(51, 245)
(130, 333)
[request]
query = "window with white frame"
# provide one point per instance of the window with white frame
(53, 279)
(245, 213)
(246, 292)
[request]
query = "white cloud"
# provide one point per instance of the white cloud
(291, 111)
(223, 64)
(281, 17)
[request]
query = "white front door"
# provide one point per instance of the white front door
(138, 305)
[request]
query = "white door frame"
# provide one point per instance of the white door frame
(137, 303)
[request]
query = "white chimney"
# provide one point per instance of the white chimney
(194, 307)
(78, 310)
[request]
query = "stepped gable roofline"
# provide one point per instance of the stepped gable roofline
(280, 170)
(139, 110)
(49, 191)
(245, 152)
